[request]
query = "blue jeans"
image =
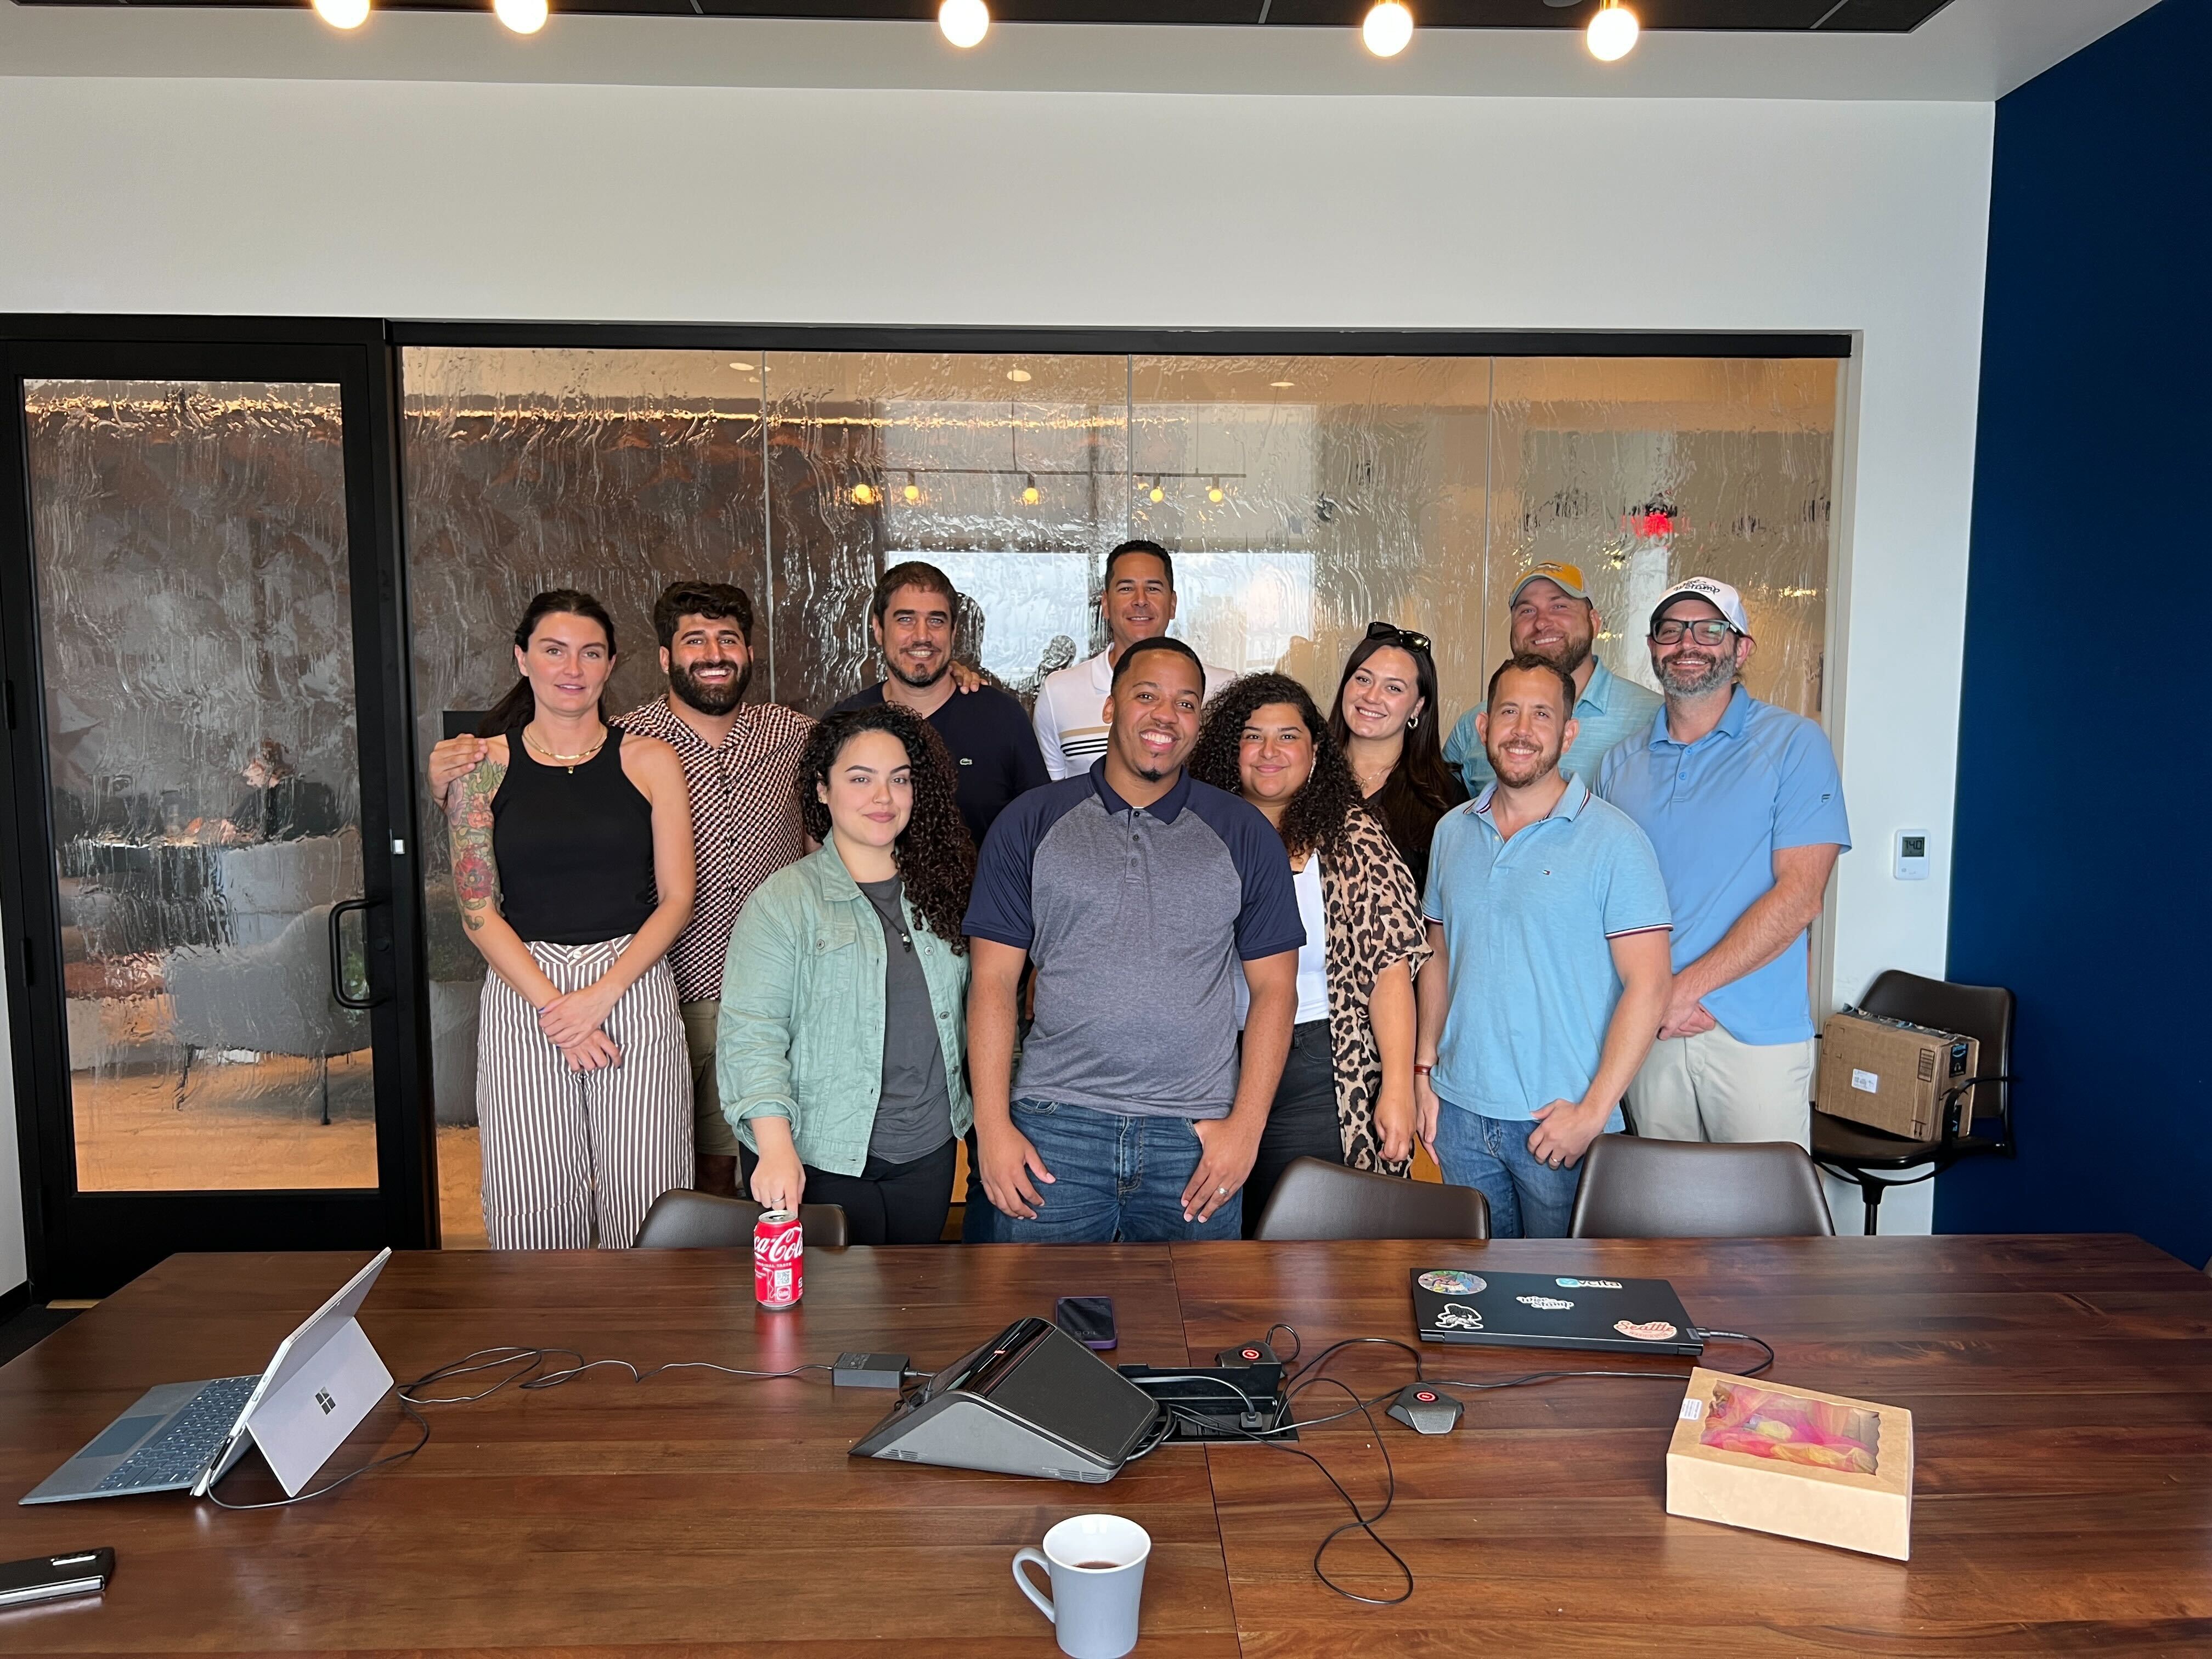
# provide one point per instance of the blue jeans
(1114, 1178)
(1528, 1198)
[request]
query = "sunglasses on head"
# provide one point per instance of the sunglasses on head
(1392, 634)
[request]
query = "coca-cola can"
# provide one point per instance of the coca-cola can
(779, 1259)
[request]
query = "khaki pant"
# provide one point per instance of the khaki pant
(1711, 1087)
(714, 1136)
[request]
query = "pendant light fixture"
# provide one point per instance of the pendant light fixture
(965, 23)
(523, 16)
(1612, 32)
(1387, 27)
(343, 14)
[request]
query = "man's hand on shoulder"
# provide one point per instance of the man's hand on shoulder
(453, 759)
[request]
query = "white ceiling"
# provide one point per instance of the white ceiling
(1973, 51)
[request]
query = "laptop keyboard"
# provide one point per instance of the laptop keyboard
(180, 1451)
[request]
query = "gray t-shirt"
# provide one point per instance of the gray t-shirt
(913, 1116)
(1136, 918)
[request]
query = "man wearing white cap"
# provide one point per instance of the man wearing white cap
(1745, 807)
(1552, 618)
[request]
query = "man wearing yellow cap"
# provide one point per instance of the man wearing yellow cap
(1554, 618)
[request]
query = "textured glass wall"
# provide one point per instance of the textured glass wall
(195, 630)
(1303, 498)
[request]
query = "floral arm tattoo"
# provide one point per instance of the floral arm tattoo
(468, 813)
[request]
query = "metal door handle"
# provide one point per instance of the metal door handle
(338, 955)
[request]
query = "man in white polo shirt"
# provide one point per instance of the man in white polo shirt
(1139, 600)
(1744, 806)
(1549, 923)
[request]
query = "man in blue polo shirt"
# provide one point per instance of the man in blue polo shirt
(1549, 923)
(1136, 890)
(1552, 618)
(1744, 806)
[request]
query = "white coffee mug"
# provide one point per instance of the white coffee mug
(1097, 1564)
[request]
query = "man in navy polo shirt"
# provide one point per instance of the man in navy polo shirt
(1549, 923)
(1743, 802)
(1136, 890)
(985, 728)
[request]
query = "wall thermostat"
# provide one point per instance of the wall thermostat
(1911, 855)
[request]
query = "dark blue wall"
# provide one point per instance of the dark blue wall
(2079, 878)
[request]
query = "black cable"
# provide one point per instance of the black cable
(1759, 1342)
(1360, 1520)
(405, 1405)
(1268, 1337)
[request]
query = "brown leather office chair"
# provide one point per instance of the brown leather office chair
(1637, 1188)
(1979, 1123)
(685, 1220)
(1319, 1199)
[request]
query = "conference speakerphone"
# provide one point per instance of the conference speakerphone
(1032, 1401)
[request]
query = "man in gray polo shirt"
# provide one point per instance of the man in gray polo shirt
(1136, 890)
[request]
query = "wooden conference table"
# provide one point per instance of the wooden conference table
(2061, 1388)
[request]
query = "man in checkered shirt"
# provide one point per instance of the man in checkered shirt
(741, 761)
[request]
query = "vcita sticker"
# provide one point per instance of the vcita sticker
(1587, 1284)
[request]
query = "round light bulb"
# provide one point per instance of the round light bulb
(1213, 492)
(864, 495)
(1389, 26)
(1019, 376)
(343, 14)
(523, 16)
(912, 492)
(1611, 34)
(1156, 494)
(1030, 494)
(965, 23)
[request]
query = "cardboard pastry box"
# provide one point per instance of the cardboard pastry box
(1891, 1074)
(1748, 1452)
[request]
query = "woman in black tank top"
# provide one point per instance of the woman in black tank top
(572, 865)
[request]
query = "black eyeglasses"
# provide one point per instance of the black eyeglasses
(1397, 635)
(1705, 630)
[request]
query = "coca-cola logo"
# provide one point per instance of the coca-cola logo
(779, 1250)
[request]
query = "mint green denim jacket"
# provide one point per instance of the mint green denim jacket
(801, 1032)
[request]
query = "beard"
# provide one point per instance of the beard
(1516, 772)
(924, 682)
(710, 700)
(1701, 679)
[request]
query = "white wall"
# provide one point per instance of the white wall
(415, 199)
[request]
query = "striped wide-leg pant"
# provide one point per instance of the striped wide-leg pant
(575, 1159)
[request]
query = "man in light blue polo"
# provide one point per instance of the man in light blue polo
(1552, 618)
(1744, 806)
(1549, 919)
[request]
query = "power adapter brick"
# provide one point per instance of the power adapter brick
(869, 1371)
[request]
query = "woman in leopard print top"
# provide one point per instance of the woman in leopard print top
(1348, 1090)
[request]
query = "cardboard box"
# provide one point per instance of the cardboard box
(1830, 1501)
(1891, 1074)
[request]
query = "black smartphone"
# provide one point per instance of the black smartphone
(1088, 1319)
(46, 1577)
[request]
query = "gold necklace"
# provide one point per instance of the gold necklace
(571, 761)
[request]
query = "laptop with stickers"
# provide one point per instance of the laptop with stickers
(1551, 1310)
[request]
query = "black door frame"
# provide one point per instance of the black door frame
(89, 1244)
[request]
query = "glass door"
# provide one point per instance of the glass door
(210, 805)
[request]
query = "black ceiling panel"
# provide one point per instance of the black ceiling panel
(1771, 16)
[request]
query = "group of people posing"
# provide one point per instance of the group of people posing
(1141, 948)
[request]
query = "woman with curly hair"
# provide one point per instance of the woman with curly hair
(1348, 1090)
(844, 1014)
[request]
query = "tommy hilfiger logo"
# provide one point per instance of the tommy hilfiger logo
(323, 1399)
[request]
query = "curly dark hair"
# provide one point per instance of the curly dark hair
(1318, 812)
(935, 859)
